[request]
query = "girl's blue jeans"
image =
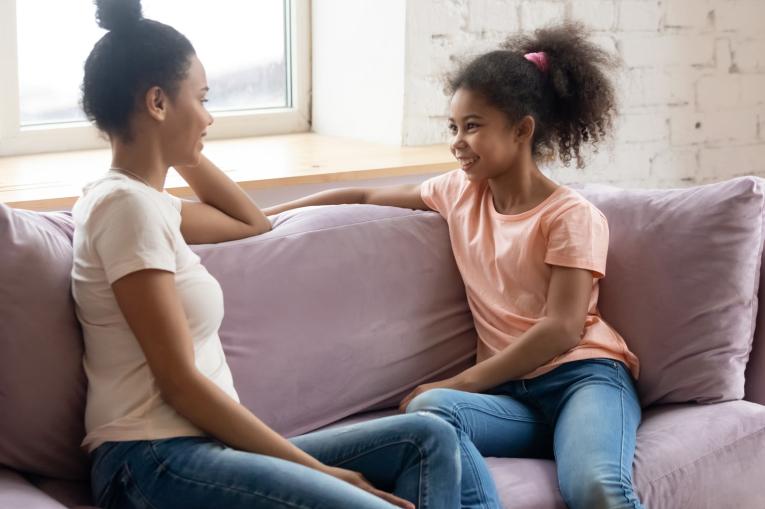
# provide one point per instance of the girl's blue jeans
(584, 414)
(415, 456)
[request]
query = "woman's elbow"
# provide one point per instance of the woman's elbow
(177, 388)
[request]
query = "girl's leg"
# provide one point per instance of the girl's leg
(196, 472)
(595, 433)
(486, 425)
(414, 456)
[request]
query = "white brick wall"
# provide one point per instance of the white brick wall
(692, 87)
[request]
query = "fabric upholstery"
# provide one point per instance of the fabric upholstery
(681, 284)
(42, 384)
(339, 310)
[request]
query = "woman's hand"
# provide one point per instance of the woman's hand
(360, 482)
(450, 383)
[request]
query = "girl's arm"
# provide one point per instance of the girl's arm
(568, 297)
(405, 196)
(153, 310)
(225, 211)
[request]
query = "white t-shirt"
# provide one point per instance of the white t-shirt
(123, 226)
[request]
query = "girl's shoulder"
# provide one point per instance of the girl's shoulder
(571, 210)
(570, 200)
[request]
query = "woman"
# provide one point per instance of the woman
(163, 421)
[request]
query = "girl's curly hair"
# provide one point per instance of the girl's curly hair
(572, 102)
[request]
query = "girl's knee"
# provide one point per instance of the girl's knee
(435, 401)
(593, 491)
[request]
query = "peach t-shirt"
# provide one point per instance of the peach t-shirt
(506, 262)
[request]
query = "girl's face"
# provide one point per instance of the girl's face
(483, 141)
(187, 119)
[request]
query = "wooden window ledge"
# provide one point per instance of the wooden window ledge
(53, 181)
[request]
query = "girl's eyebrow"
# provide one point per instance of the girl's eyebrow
(472, 116)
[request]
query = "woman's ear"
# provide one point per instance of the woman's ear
(524, 129)
(155, 101)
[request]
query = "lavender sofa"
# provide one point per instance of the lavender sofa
(339, 311)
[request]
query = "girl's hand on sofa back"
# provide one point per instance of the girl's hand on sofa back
(405, 196)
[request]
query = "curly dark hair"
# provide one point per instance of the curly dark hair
(135, 55)
(572, 102)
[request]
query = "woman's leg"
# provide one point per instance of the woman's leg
(595, 433)
(414, 456)
(196, 472)
(486, 425)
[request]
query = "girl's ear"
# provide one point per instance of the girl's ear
(155, 101)
(524, 129)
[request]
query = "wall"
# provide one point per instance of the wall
(692, 85)
(358, 59)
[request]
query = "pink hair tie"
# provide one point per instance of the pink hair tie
(539, 59)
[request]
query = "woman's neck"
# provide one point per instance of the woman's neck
(142, 158)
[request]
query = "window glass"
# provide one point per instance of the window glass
(240, 42)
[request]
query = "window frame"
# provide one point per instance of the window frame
(15, 140)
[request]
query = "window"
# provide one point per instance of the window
(255, 55)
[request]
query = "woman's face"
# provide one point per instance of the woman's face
(187, 118)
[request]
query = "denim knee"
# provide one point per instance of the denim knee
(435, 401)
(426, 426)
(588, 490)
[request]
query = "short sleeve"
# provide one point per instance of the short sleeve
(176, 202)
(578, 238)
(440, 193)
(129, 232)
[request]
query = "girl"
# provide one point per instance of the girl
(164, 425)
(552, 378)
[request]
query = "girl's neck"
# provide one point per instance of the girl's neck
(521, 188)
(142, 158)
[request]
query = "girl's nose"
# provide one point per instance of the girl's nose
(458, 141)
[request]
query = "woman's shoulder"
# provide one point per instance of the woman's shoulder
(114, 192)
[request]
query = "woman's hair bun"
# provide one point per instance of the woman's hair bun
(118, 15)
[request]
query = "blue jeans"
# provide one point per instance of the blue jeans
(414, 456)
(585, 414)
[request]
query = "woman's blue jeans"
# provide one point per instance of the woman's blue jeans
(585, 414)
(415, 456)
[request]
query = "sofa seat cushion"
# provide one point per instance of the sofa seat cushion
(15, 491)
(688, 456)
(702, 456)
(681, 284)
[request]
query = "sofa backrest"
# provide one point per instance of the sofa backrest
(755, 370)
(340, 310)
(681, 284)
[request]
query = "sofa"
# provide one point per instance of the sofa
(339, 311)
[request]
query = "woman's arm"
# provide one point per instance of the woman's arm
(568, 297)
(153, 310)
(405, 196)
(225, 211)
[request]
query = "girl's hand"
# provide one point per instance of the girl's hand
(359, 481)
(450, 383)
